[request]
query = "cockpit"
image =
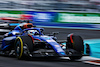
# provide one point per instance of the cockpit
(33, 32)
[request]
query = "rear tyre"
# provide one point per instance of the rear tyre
(23, 47)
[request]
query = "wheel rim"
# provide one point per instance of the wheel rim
(18, 48)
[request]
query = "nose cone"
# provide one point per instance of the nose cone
(57, 48)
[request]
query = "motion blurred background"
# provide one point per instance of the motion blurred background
(61, 13)
(52, 5)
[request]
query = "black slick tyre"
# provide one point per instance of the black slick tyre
(75, 43)
(23, 47)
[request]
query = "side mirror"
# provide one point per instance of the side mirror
(54, 33)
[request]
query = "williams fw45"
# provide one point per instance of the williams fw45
(31, 42)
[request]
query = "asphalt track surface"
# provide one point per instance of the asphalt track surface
(52, 62)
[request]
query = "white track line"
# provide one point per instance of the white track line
(88, 59)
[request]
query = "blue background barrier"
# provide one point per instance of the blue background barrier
(72, 20)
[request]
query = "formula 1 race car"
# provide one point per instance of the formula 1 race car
(26, 41)
(11, 22)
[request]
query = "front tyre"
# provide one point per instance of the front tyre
(19, 48)
(23, 47)
(75, 46)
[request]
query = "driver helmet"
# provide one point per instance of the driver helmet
(33, 32)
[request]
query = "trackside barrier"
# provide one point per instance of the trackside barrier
(74, 20)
